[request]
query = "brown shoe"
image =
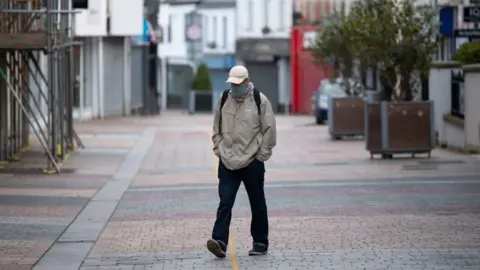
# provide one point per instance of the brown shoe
(217, 248)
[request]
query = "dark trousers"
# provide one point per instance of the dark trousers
(253, 178)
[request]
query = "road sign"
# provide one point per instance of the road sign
(467, 33)
(194, 32)
(194, 36)
(471, 14)
(474, 2)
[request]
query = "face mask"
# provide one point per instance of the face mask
(238, 89)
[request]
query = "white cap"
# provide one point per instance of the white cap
(237, 75)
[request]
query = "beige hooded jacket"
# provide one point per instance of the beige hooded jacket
(245, 134)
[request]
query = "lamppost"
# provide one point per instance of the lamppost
(194, 42)
(194, 33)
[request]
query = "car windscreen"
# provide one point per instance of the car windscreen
(334, 90)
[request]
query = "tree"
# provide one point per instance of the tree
(376, 34)
(416, 45)
(202, 80)
(396, 37)
(335, 44)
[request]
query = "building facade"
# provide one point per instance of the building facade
(263, 46)
(104, 31)
(217, 46)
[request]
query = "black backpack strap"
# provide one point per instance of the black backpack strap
(258, 100)
(222, 102)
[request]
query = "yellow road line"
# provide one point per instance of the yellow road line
(231, 244)
(233, 252)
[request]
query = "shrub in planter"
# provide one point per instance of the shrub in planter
(468, 53)
(406, 125)
(201, 80)
(200, 98)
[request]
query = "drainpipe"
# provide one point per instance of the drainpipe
(101, 81)
(81, 79)
(164, 84)
(127, 91)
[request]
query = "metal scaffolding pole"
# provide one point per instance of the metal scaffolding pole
(32, 98)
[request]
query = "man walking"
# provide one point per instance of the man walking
(244, 134)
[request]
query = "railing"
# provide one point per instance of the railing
(457, 95)
(20, 16)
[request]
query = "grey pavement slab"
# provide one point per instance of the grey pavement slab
(41, 200)
(25, 232)
(111, 191)
(89, 223)
(64, 256)
(74, 244)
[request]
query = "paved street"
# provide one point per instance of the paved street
(143, 196)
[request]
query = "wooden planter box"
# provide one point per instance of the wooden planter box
(346, 117)
(199, 101)
(399, 128)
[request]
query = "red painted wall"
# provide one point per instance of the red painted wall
(306, 75)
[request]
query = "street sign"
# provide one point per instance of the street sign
(194, 32)
(475, 2)
(467, 33)
(471, 14)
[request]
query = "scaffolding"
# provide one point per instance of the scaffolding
(37, 79)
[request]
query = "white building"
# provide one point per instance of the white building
(263, 46)
(218, 45)
(104, 58)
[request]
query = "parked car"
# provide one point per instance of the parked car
(326, 89)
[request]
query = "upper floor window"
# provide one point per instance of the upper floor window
(169, 29)
(250, 15)
(312, 11)
(281, 23)
(206, 39)
(225, 32)
(266, 4)
(214, 26)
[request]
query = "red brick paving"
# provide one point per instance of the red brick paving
(161, 226)
(166, 217)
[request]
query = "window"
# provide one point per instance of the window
(250, 15)
(323, 10)
(312, 11)
(169, 29)
(225, 32)
(205, 30)
(281, 21)
(215, 37)
(265, 13)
